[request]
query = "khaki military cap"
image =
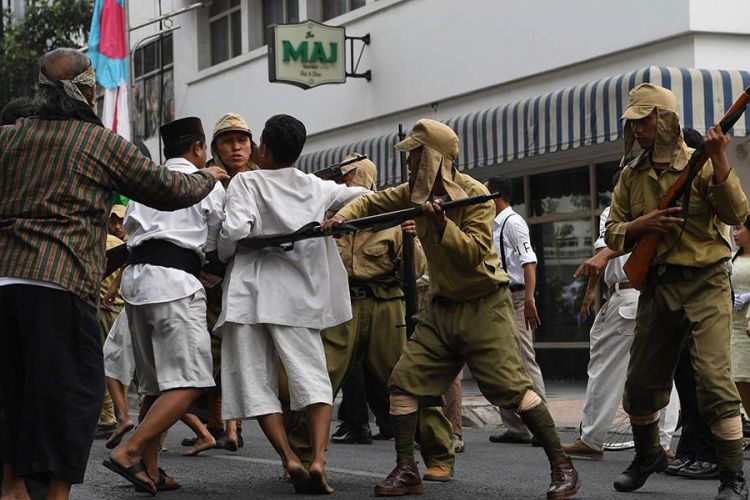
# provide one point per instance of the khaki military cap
(645, 97)
(118, 210)
(231, 122)
(434, 134)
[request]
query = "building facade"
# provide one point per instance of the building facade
(534, 90)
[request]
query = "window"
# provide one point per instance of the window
(154, 87)
(225, 30)
(334, 8)
(561, 192)
(279, 12)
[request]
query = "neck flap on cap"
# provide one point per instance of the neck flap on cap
(431, 164)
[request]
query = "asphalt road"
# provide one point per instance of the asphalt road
(485, 470)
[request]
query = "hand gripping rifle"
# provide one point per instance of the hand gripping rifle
(637, 266)
(286, 241)
(407, 253)
(334, 171)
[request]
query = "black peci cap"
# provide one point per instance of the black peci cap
(180, 130)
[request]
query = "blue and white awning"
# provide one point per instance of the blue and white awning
(565, 119)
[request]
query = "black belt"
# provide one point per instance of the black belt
(165, 254)
(517, 287)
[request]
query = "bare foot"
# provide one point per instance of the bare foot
(318, 479)
(121, 429)
(206, 442)
(298, 476)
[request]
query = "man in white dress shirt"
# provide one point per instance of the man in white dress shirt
(510, 234)
(276, 301)
(166, 307)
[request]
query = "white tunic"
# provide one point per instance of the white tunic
(305, 287)
(194, 228)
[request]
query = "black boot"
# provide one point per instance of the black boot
(642, 466)
(342, 429)
(733, 486)
(357, 434)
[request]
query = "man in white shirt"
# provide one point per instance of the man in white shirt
(276, 301)
(510, 234)
(166, 307)
(611, 338)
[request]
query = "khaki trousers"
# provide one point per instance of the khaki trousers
(511, 420)
(677, 306)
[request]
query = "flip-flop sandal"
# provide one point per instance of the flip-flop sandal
(161, 485)
(129, 473)
(115, 438)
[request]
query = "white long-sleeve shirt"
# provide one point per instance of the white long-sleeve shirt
(304, 287)
(195, 228)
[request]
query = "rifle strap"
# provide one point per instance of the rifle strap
(502, 242)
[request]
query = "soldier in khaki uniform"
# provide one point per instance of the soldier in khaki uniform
(687, 295)
(376, 332)
(471, 316)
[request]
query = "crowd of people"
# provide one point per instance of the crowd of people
(215, 331)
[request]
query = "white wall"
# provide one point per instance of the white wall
(442, 58)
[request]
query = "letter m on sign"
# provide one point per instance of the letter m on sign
(290, 53)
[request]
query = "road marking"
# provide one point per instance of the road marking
(266, 461)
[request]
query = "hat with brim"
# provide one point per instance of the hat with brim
(118, 210)
(231, 122)
(408, 144)
(637, 112)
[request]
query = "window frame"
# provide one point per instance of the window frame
(210, 20)
(159, 69)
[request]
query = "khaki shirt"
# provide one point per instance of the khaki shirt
(462, 262)
(706, 238)
(374, 259)
(112, 241)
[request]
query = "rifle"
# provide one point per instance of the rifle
(374, 223)
(334, 171)
(637, 266)
(407, 252)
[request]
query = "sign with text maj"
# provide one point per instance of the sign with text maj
(307, 54)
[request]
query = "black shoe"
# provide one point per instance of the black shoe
(642, 466)
(507, 437)
(676, 465)
(357, 434)
(733, 486)
(700, 470)
(383, 436)
(189, 441)
(342, 429)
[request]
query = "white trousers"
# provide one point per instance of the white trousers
(611, 338)
(119, 363)
(250, 357)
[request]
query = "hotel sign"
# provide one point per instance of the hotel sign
(307, 54)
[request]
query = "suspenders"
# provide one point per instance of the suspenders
(502, 242)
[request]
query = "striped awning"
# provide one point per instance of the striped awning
(565, 119)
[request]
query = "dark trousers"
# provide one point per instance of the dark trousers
(695, 441)
(361, 389)
(51, 382)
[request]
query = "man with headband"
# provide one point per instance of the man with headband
(686, 297)
(470, 319)
(59, 170)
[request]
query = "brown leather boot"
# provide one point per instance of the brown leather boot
(565, 482)
(403, 480)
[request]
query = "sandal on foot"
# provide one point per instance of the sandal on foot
(129, 473)
(161, 485)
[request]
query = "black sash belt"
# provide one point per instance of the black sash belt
(165, 254)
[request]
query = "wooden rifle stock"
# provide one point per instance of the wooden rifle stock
(644, 251)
